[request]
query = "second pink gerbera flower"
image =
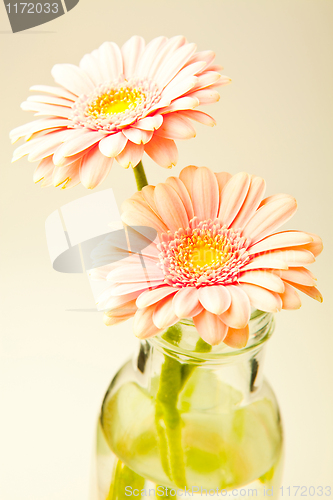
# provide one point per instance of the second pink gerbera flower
(216, 255)
(117, 104)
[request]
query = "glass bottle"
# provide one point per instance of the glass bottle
(184, 418)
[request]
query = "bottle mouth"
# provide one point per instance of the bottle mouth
(183, 342)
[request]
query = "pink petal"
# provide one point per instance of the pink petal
(223, 80)
(149, 123)
(233, 196)
(111, 320)
(265, 279)
(148, 56)
(239, 312)
(107, 301)
(72, 78)
(148, 194)
(170, 207)
(163, 151)
(298, 275)
(113, 144)
(290, 298)
(294, 258)
(31, 128)
(58, 91)
(61, 161)
(183, 103)
(222, 179)
(280, 240)
(136, 202)
(216, 299)
(210, 328)
(94, 168)
(262, 299)
(175, 90)
(131, 52)
(187, 74)
(138, 136)
(164, 315)
(174, 64)
(206, 79)
(47, 146)
(207, 56)
(186, 302)
(251, 202)
(143, 326)
(120, 314)
(266, 261)
(42, 109)
(68, 176)
(269, 217)
(206, 96)
(215, 67)
(126, 288)
(23, 130)
(176, 127)
(274, 197)
(182, 192)
(91, 66)
(47, 99)
(44, 133)
(149, 297)
(135, 274)
(148, 218)
(311, 291)
(83, 141)
(110, 60)
(205, 194)
(149, 248)
(199, 116)
(131, 155)
(44, 146)
(164, 54)
(186, 176)
(44, 171)
(237, 338)
(315, 246)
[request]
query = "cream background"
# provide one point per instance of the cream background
(275, 120)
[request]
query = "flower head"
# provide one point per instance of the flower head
(216, 256)
(117, 104)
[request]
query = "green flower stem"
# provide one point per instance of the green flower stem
(140, 176)
(168, 421)
(201, 346)
(124, 476)
(167, 417)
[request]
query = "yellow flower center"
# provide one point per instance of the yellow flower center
(115, 101)
(199, 251)
(204, 255)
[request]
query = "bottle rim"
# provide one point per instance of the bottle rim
(261, 327)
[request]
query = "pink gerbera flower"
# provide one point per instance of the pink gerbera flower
(118, 104)
(216, 255)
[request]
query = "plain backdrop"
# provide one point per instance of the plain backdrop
(274, 120)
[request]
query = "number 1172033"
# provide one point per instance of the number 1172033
(32, 8)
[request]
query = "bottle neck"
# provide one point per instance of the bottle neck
(180, 350)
